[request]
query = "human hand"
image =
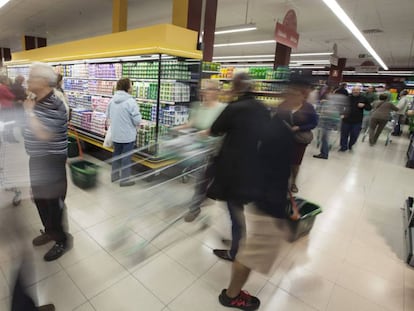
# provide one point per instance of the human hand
(204, 133)
(361, 105)
(29, 104)
(295, 128)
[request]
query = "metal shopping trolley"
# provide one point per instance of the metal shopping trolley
(388, 129)
(189, 154)
(17, 193)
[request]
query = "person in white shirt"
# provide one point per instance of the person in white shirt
(402, 106)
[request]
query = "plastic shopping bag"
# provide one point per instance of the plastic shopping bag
(108, 138)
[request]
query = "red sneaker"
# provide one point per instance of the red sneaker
(244, 301)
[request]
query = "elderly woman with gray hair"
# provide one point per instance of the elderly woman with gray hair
(46, 144)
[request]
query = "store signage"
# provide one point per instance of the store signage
(367, 69)
(334, 60)
(286, 32)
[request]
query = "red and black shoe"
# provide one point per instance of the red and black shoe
(244, 301)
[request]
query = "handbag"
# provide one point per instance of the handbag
(303, 137)
(108, 143)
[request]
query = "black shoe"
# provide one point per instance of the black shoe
(223, 254)
(55, 252)
(244, 301)
(49, 307)
(192, 215)
(127, 183)
(42, 239)
(342, 150)
(320, 156)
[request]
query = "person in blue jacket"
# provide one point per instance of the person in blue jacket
(124, 118)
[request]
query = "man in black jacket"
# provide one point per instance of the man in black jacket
(352, 120)
(237, 164)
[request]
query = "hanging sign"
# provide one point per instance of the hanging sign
(286, 33)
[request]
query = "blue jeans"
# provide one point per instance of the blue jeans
(349, 134)
(238, 225)
(122, 167)
(325, 142)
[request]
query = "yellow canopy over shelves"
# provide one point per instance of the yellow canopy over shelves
(163, 39)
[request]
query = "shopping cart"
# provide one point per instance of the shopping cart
(388, 129)
(165, 194)
(17, 193)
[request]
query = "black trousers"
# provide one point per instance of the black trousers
(49, 186)
(20, 300)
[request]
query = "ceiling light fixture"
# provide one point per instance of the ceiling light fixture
(346, 20)
(244, 43)
(236, 28)
(311, 54)
(3, 3)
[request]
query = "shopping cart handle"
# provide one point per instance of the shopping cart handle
(5, 124)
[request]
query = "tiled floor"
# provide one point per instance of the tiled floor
(352, 260)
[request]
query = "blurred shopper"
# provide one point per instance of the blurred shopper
(371, 96)
(59, 83)
(201, 119)
(302, 119)
(381, 114)
(46, 144)
(342, 89)
(237, 171)
(7, 108)
(403, 105)
(267, 225)
(124, 118)
(12, 230)
(352, 120)
(331, 108)
(19, 91)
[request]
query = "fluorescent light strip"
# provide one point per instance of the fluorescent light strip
(344, 18)
(244, 43)
(311, 54)
(272, 55)
(247, 28)
(3, 3)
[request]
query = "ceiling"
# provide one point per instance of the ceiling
(319, 29)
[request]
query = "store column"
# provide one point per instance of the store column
(189, 14)
(119, 15)
(31, 42)
(335, 73)
(5, 55)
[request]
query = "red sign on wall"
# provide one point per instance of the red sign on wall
(286, 33)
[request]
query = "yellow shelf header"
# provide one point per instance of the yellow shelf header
(163, 39)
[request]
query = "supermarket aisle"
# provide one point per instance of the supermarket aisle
(352, 259)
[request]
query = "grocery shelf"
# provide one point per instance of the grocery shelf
(87, 93)
(163, 80)
(139, 159)
(212, 72)
(268, 92)
(256, 80)
(98, 79)
(155, 101)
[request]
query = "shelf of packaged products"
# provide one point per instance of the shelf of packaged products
(139, 159)
(166, 102)
(136, 79)
(256, 80)
(271, 93)
(91, 94)
(211, 72)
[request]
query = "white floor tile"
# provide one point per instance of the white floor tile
(127, 295)
(193, 255)
(199, 297)
(372, 287)
(309, 287)
(60, 290)
(96, 273)
(85, 307)
(273, 298)
(345, 300)
(165, 278)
